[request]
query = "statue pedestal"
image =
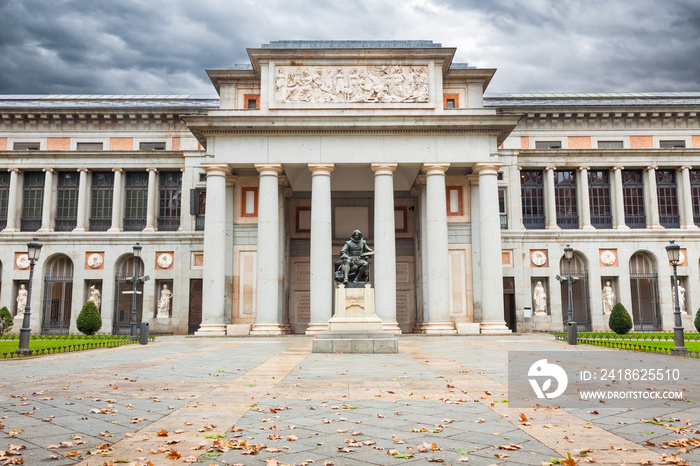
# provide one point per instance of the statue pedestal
(355, 328)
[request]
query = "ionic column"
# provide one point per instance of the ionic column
(151, 205)
(438, 255)
(492, 312)
(550, 200)
(117, 200)
(687, 220)
(385, 245)
(213, 274)
(267, 284)
(652, 200)
(618, 200)
(321, 260)
(81, 222)
(584, 202)
(13, 195)
(48, 204)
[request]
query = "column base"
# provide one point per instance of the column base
(392, 327)
(270, 329)
(79, 229)
(148, 229)
(622, 227)
(494, 327)
(690, 227)
(211, 330)
(9, 230)
(553, 227)
(317, 327)
(44, 230)
(114, 230)
(587, 227)
(658, 226)
(438, 328)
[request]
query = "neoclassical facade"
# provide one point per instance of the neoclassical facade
(242, 201)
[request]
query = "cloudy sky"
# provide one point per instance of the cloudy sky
(164, 46)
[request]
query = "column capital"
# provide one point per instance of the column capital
(231, 180)
(486, 168)
(435, 168)
(282, 181)
(14, 169)
(651, 167)
(686, 167)
(420, 180)
(473, 179)
(152, 169)
(321, 168)
(120, 170)
(550, 167)
(618, 167)
(47, 169)
(383, 168)
(268, 168)
(83, 169)
(582, 168)
(414, 191)
(217, 169)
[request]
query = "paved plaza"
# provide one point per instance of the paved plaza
(269, 401)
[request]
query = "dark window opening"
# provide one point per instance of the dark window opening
(32, 201)
(599, 196)
(102, 201)
(135, 201)
(547, 144)
(67, 201)
(152, 145)
(532, 198)
(26, 146)
(169, 195)
(565, 198)
(667, 192)
(87, 146)
(633, 194)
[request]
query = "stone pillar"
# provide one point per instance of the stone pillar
(267, 289)
(686, 197)
(321, 260)
(422, 258)
(117, 201)
(13, 196)
(492, 320)
(550, 201)
(81, 222)
(151, 205)
(438, 255)
(584, 202)
(213, 274)
(285, 192)
(651, 206)
(48, 200)
(617, 199)
(385, 246)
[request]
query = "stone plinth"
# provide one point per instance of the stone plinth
(355, 342)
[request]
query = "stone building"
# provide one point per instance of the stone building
(242, 201)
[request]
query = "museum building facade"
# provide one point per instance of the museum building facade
(242, 202)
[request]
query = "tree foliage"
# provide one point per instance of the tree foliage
(89, 320)
(697, 320)
(620, 321)
(6, 320)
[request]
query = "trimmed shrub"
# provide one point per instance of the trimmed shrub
(697, 320)
(6, 320)
(620, 321)
(89, 320)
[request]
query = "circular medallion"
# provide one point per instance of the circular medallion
(607, 257)
(539, 258)
(164, 260)
(94, 261)
(23, 261)
(681, 258)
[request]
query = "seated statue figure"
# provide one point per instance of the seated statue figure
(352, 266)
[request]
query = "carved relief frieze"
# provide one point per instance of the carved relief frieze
(353, 84)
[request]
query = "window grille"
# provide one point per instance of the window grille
(67, 201)
(135, 201)
(599, 195)
(32, 201)
(633, 195)
(169, 195)
(694, 190)
(565, 198)
(667, 192)
(102, 201)
(4, 198)
(532, 199)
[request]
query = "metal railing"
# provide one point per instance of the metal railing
(504, 221)
(199, 222)
(534, 223)
(636, 221)
(100, 224)
(30, 224)
(601, 221)
(670, 221)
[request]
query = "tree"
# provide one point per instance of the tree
(620, 321)
(697, 320)
(6, 320)
(89, 320)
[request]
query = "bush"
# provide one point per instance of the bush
(6, 320)
(89, 320)
(697, 320)
(620, 321)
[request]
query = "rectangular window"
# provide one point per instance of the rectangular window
(4, 198)
(565, 198)
(135, 201)
(633, 195)
(67, 201)
(532, 198)
(152, 145)
(610, 145)
(599, 195)
(694, 192)
(503, 213)
(252, 102)
(454, 200)
(102, 195)
(198, 207)
(547, 144)
(89, 146)
(667, 192)
(450, 101)
(169, 200)
(672, 144)
(32, 201)
(25, 146)
(249, 207)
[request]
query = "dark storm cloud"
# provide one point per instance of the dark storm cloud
(164, 46)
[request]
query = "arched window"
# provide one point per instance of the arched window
(58, 295)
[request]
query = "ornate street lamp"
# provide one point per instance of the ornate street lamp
(674, 251)
(134, 284)
(33, 250)
(571, 331)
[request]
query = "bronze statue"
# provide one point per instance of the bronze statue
(352, 265)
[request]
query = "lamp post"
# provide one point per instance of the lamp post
(674, 251)
(134, 284)
(33, 250)
(571, 331)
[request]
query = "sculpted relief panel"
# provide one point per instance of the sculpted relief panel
(356, 83)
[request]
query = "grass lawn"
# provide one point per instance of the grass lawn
(690, 345)
(633, 336)
(7, 346)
